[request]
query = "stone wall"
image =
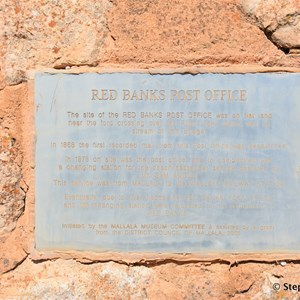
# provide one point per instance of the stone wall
(92, 35)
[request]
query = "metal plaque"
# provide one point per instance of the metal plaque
(134, 162)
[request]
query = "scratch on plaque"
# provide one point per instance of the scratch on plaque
(54, 93)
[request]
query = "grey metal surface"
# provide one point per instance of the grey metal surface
(193, 163)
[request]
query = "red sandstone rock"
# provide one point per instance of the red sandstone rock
(279, 19)
(145, 34)
(127, 34)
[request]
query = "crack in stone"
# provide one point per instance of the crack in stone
(277, 276)
(16, 265)
(269, 35)
(267, 32)
(245, 290)
(144, 262)
(158, 262)
(268, 262)
(271, 29)
(154, 263)
(65, 65)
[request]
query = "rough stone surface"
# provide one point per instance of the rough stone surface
(127, 34)
(59, 34)
(185, 32)
(71, 280)
(52, 33)
(68, 279)
(11, 194)
(13, 188)
(279, 19)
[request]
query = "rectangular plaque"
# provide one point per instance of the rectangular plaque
(167, 163)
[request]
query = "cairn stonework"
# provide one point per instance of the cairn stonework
(153, 38)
